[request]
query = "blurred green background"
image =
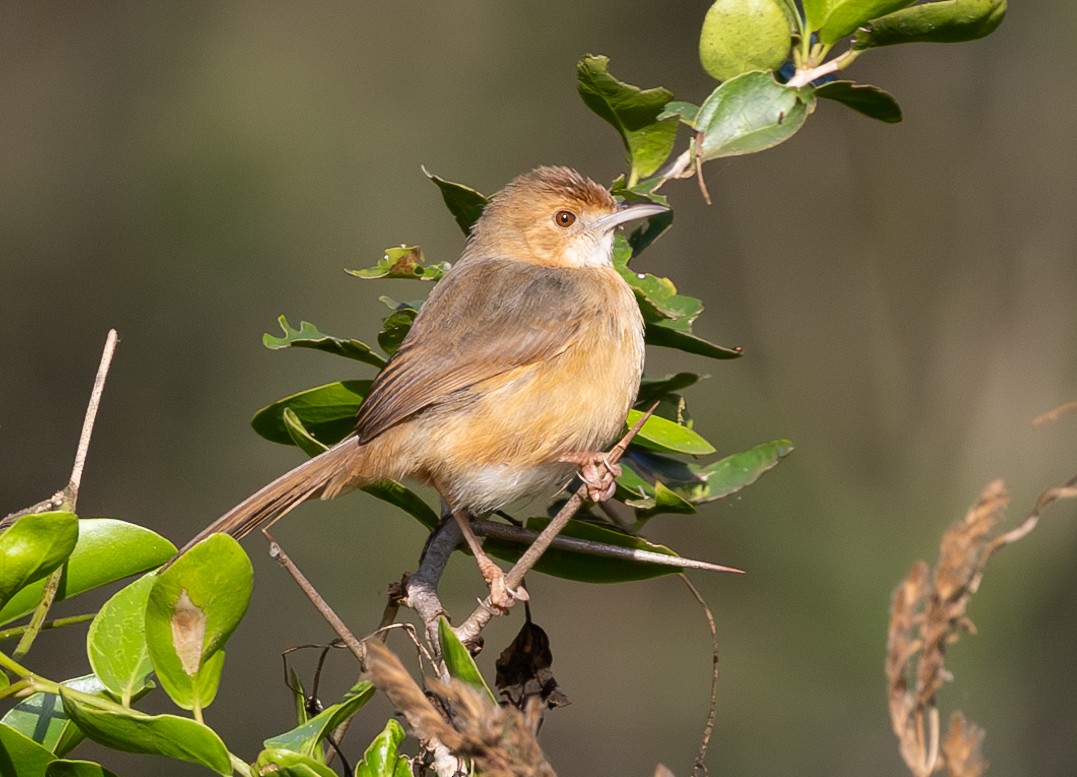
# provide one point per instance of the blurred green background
(905, 296)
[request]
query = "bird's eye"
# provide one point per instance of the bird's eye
(564, 218)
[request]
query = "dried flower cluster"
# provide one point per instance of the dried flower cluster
(927, 614)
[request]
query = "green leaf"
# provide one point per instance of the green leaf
(399, 495)
(458, 660)
(743, 35)
(304, 739)
(815, 12)
(633, 112)
(750, 113)
(66, 768)
(846, 15)
(869, 100)
(107, 550)
(41, 716)
(396, 326)
(948, 21)
(662, 434)
(668, 316)
(585, 567)
(21, 756)
(381, 758)
(694, 483)
(285, 763)
(653, 389)
(309, 336)
(465, 204)
(193, 608)
(116, 643)
(663, 333)
(403, 262)
(135, 732)
(685, 112)
(32, 547)
(326, 412)
(299, 434)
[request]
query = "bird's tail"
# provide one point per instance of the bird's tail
(325, 476)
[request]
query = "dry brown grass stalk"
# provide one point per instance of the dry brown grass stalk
(927, 614)
(499, 741)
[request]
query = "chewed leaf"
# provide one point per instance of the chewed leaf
(465, 204)
(309, 336)
(403, 262)
(632, 111)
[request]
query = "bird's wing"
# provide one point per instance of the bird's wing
(487, 317)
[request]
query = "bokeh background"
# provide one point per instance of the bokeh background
(906, 296)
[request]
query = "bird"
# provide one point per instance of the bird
(517, 372)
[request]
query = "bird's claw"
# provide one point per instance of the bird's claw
(598, 474)
(501, 596)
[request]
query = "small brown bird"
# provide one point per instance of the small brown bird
(520, 367)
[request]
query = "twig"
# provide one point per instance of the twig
(37, 620)
(67, 498)
(700, 767)
(56, 623)
(470, 629)
(421, 587)
(522, 536)
(88, 422)
(357, 648)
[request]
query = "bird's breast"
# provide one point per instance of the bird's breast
(506, 437)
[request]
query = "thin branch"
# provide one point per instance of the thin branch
(66, 499)
(56, 623)
(421, 587)
(37, 620)
(91, 415)
(470, 629)
(522, 536)
(805, 77)
(357, 648)
(700, 767)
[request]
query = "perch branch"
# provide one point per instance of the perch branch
(470, 629)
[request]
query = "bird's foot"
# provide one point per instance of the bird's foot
(501, 596)
(597, 472)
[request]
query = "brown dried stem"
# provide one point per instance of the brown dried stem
(928, 613)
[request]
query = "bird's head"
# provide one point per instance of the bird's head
(555, 217)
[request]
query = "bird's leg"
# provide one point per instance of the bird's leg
(501, 597)
(597, 472)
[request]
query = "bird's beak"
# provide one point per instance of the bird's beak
(631, 212)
